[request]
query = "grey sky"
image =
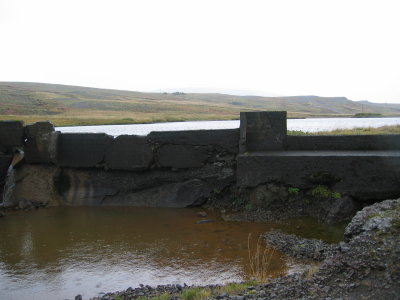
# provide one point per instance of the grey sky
(286, 47)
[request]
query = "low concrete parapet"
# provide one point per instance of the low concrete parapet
(343, 142)
(129, 152)
(82, 150)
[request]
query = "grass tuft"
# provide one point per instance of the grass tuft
(259, 259)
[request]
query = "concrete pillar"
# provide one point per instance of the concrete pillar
(262, 131)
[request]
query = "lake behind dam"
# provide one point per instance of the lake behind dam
(307, 125)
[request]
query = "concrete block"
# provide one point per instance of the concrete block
(223, 140)
(344, 142)
(365, 175)
(261, 131)
(129, 152)
(41, 143)
(82, 150)
(182, 156)
(11, 133)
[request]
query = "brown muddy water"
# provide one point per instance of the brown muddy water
(57, 253)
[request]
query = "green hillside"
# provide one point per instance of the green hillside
(73, 105)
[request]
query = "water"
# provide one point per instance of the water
(56, 253)
(308, 125)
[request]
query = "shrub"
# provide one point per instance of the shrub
(293, 191)
(321, 192)
(196, 293)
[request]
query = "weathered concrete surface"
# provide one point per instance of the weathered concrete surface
(11, 133)
(260, 131)
(367, 175)
(41, 143)
(182, 156)
(36, 184)
(344, 142)
(93, 186)
(129, 152)
(82, 150)
(223, 140)
(5, 161)
(183, 194)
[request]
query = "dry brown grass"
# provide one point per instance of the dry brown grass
(259, 259)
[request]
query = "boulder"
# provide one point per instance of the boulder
(182, 156)
(342, 209)
(41, 143)
(222, 140)
(129, 152)
(11, 133)
(82, 150)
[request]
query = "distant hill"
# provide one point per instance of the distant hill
(74, 105)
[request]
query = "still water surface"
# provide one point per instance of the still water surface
(56, 253)
(308, 125)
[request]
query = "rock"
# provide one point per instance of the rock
(298, 247)
(82, 150)
(342, 209)
(78, 297)
(11, 133)
(129, 152)
(41, 143)
(370, 218)
(202, 214)
(190, 193)
(25, 204)
(221, 140)
(182, 156)
(36, 183)
(204, 221)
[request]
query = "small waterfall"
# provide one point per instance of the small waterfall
(9, 188)
(9, 185)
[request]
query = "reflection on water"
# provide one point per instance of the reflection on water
(59, 252)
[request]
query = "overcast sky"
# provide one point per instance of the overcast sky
(285, 47)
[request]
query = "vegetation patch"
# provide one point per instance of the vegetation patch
(323, 192)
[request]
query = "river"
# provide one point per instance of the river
(308, 125)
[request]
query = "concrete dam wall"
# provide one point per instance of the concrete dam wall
(186, 168)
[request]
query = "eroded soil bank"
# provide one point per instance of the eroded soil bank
(366, 265)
